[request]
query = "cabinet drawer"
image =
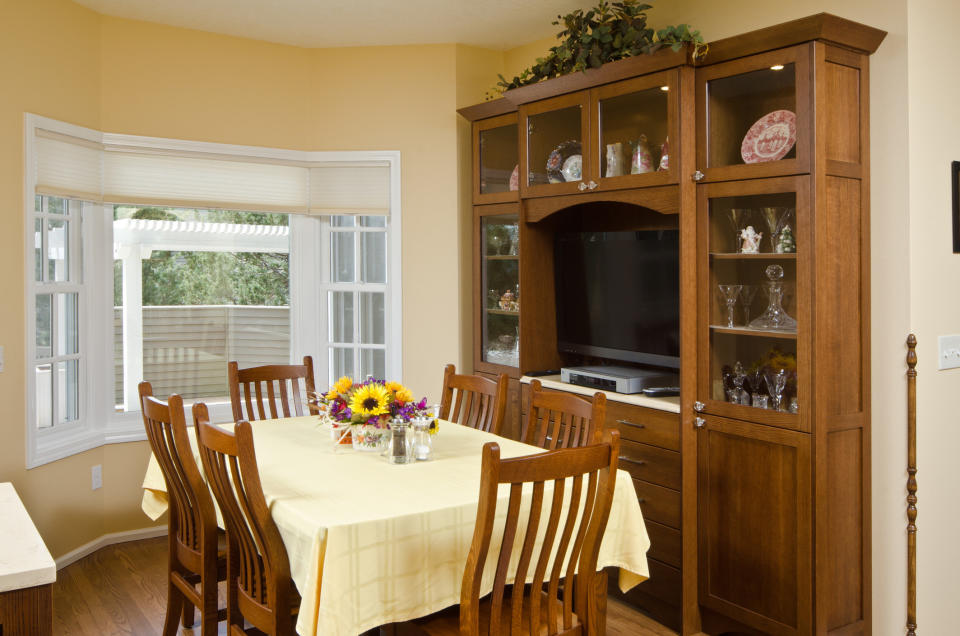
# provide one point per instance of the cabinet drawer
(647, 426)
(652, 464)
(665, 544)
(658, 503)
(664, 582)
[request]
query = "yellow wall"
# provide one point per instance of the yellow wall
(49, 62)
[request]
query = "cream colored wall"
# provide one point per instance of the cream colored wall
(933, 95)
(891, 267)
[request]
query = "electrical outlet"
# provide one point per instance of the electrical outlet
(96, 477)
(949, 352)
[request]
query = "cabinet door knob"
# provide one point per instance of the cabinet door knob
(592, 184)
(699, 422)
(583, 186)
(698, 406)
(697, 176)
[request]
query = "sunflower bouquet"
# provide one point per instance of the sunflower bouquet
(369, 407)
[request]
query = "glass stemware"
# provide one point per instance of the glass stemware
(776, 218)
(776, 382)
(737, 218)
(775, 317)
(747, 294)
(756, 382)
(738, 378)
(729, 294)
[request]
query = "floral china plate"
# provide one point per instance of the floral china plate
(770, 138)
(557, 161)
(572, 168)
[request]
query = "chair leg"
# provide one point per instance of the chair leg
(175, 603)
(188, 615)
(208, 613)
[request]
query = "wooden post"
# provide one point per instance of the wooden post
(911, 485)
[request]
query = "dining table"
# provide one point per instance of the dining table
(372, 543)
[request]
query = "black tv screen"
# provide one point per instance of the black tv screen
(618, 295)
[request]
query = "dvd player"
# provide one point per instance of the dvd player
(617, 379)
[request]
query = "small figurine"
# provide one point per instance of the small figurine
(508, 302)
(642, 160)
(751, 241)
(664, 155)
(786, 244)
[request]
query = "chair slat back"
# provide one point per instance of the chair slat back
(563, 420)
(191, 507)
(474, 401)
(257, 559)
(572, 524)
(271, 391)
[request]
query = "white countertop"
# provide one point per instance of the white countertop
(671, 404)
(24, 559)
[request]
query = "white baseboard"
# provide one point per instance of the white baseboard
(109, 539)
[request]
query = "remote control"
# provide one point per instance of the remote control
(661, 391)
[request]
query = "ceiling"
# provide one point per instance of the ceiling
(495, 24)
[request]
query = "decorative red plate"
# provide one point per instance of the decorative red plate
(770, 138)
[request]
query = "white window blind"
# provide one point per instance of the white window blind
(338, 189)
(180, 179)
(68, 166)
(88, 169)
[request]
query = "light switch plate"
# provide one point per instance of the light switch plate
(96, 477)
(1, 357)
(949, 352)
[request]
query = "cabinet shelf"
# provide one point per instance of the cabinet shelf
(769, 256)
(747, 331)
(502, 312)
(501, 257)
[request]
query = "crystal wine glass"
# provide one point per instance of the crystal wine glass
(738, 378)
(775, 317)
(730, 294)
(756, 382)
(776, 382)
(776, 218)
(737, 218)
(747, 294)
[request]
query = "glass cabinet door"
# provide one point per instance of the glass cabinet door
(635, 122)
(553, 154)
(755, 116)
(496, 159)
(755, 302)
(500, 285)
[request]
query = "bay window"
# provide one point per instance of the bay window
(161, 260)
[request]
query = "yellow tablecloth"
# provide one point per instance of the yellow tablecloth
(389, 542)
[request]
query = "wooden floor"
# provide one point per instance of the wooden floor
(121, 589)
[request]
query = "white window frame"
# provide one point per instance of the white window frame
(99, 423)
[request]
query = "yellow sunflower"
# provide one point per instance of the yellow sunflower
(340, 387)
(370, 400)
(394, 386)
(403, 395)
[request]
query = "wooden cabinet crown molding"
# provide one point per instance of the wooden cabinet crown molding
(823, 27)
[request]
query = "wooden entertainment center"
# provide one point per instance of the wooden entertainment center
(755, 482)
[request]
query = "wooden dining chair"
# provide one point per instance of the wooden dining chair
(197, 549)
(565, 594)
(259, 587)
(260, 388)
(474, 401)
(563, 420)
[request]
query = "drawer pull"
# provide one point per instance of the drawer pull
(629, 423)
(638, 462)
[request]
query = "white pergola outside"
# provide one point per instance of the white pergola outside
(136, 239)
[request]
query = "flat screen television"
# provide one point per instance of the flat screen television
(618, 295)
